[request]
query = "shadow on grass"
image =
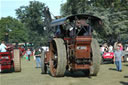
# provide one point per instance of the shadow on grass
(77, 74)
(107, 62)
(125, 64)
(114, 69)
(124, 83)
(125, 76)
(6, 71)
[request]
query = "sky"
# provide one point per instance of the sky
(8, 7)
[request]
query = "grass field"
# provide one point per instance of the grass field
(32, 76)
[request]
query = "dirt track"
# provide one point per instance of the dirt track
(32, 76)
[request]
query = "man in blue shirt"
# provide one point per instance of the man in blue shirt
(118, 56)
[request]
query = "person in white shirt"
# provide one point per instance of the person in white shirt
(110, 48)
(3, 47)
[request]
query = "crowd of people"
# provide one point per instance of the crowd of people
(117, 49)
(36, 53)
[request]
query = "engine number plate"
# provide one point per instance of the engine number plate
(81, 47)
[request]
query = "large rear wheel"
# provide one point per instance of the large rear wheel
(58, 59)
(17, 60)
(43, 65)
(96, 58)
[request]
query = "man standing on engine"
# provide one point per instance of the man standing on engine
(3, 47)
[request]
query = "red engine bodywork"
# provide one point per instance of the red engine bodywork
(6, 58)
(6, 61)
(80, 51)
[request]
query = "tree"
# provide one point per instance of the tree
(15, 30)
(112, 12)
(32, 16)
(73, 7)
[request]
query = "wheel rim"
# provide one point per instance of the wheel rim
(96, 58)
(57, 58)
(43, 65)
(17, 60)
(54, 58)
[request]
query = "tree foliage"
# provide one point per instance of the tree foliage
(15, 29)
(32, 16)
(112, 12)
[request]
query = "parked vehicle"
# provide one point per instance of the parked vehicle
(125, 53)
(108, 57)
(72, 48)
(10, 60)
(125, 56)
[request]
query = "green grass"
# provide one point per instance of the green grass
(32, 76)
